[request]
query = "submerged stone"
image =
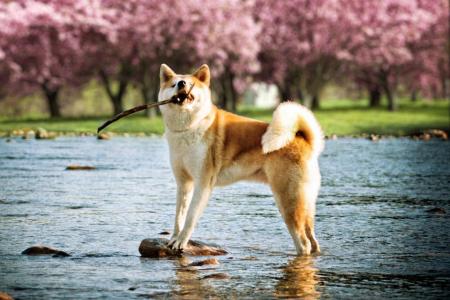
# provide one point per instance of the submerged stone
(78, 168)
(5, 296)
(209, 261)
(158, 248)
(436, 210)
(216, 276)
(44, 250)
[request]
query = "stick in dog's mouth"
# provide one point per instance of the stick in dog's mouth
(175, 99)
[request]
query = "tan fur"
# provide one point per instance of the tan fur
(284, 170)
(227, 148)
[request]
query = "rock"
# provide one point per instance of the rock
(425, 137)
(103, 136)
(429, 134)
(216, 276)
(437, 133)
(158, 248)
(331, 137)
(165, 232)
(77, 168)
(44, 250)
(209, 261)
(5, 296)
(374, 137)
(29, 135)
(42, 134)
(436, 210)
(18, 132)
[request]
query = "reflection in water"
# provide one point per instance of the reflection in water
(188, 283)
(299, 279)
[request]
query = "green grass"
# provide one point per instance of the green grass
(134, 124)
(340, 117)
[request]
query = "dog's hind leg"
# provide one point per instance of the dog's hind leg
(315, 248)
(295, 195)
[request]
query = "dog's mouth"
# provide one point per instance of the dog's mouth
(183, 97)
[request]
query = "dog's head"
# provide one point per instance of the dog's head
(172, 84)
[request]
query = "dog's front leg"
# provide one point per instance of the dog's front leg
(202, 191)
(185, 189)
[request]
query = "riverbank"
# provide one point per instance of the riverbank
(338, 119)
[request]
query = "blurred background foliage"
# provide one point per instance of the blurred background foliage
(88, 58)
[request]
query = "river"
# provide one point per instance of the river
(378, 240)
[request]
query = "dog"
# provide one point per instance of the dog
(211, 147)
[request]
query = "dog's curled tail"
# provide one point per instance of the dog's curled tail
(289, 119)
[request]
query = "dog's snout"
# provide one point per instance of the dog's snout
(181, 84)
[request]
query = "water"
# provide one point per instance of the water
(377, 239)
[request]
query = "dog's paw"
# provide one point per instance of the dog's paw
(178, 243)
(172, 240)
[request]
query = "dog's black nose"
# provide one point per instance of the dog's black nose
(181, 84)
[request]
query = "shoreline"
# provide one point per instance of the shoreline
(42, 134)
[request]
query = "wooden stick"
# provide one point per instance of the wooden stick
(177, 99)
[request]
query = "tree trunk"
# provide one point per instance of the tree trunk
(117, 97)
(299, 94)
(227, 94)
(233, 93)
(117, 105)
(445, 81)
(149, 92)
(285, 93)
(374, 97)
(414, 96)
(150, 113)
(222, 99)
(51, 96)
(392, 104)
(315, 102)
(221, 95)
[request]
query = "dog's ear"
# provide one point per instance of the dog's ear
(203, 74)
(166, 73)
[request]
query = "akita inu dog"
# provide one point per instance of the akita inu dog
(210, 147)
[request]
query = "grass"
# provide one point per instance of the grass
(340, 117)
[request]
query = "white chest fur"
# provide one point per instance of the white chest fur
(188, 150)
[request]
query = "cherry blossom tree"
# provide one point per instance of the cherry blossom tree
(305, 44)
(300, 43)
(379, 48)
(184, 34)
(42, 48)
(428, 72)
(221, 33)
